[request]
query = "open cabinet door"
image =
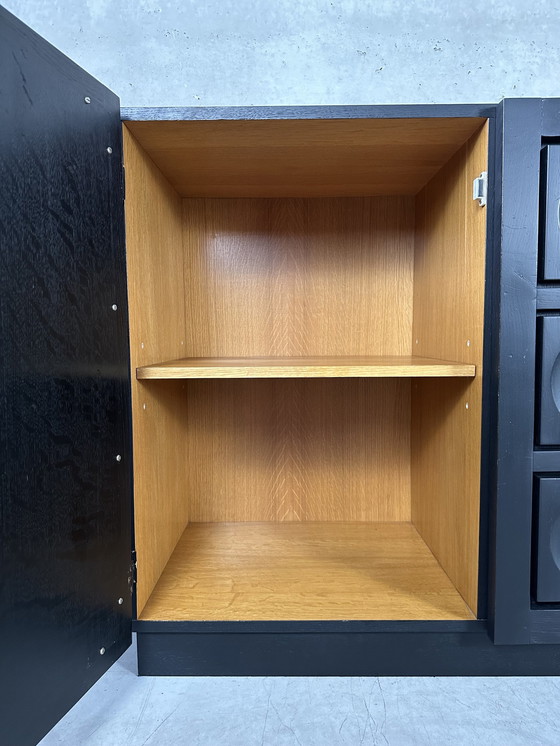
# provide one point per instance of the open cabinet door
(65, 457)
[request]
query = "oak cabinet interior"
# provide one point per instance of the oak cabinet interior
(314, 454)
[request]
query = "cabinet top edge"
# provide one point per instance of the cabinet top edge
(381, 111)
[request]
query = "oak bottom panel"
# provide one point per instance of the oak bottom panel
(302, 571)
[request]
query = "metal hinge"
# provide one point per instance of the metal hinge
(132, 572)
(480, 188)
(123, 184)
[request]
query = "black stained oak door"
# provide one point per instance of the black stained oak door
(65, 455)
(524, 599)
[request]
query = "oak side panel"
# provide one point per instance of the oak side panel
(310, 571)
(449, 277)
(302, 158)
(304, 277)
(298, 450)
(157, 331)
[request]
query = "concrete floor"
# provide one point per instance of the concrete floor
(124, 710)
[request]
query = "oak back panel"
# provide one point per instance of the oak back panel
(280, 277)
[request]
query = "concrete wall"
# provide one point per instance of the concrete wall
(249, 52)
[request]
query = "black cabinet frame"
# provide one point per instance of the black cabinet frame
(518, 128)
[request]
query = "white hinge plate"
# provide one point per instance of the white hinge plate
(480, 188)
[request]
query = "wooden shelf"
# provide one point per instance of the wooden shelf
(307, 367)
(303, 571)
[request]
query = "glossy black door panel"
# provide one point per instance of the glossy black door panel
(548, 540)
(64, 408)
(550, 213)
(548, 384)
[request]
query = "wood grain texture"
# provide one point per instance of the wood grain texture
(449, 280)
(157, 328)
(302, 158)
(307, 367)
(307, 278)
(65, 502)
(298, 450)
(313, 571)
(337, 111)
(298, 277)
